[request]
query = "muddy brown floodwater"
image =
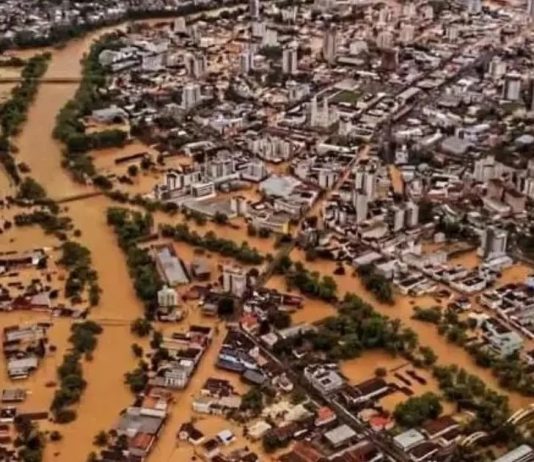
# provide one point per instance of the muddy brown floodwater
(105, 395)
(403, 310)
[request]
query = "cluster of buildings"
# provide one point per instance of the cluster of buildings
(23, 347)
(512, 302)
(36, 22)
(282, 421)
(283, 100)
(139, 426)
(212, 448)
(185, 351)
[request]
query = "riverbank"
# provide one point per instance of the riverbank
(118, 305)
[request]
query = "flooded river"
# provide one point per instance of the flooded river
(106, 395)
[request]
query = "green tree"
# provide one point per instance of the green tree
(252, 401)
(29, 189)
(225, 306)
(101, 439)
(220, 218)
(140, 327)
(137, 350)
(415, 410)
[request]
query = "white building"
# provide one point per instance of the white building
(474, 6)
(497, 68)
(270, 38)
(180, 25)
(254, 8)
(493, 243)
(258, 29)
(452, 32)
(407, 33)
(289, 61)
(366, 181)
(412, 214)
(234, 280)
(195, 64)
(397, 218)
(362, 206)
(384, 39)
(486, 169)
(322, 117)
(297, 91)
(512, 86)
(330, 45)
(191, 95)
(409, 10)
(167, 297)
(271, 148)
(246, 61)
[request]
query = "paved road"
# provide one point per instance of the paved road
(381, 440)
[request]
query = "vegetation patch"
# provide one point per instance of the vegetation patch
(83, 339)
(346, 96)
(13, 112)
(225, 247)
(131, 226)
(69, 126)
(77, 259)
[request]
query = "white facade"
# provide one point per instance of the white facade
(167, 297)
(270, 38)
(452, 32)
(246, 61)
(384, 39)
(234, 280)
(493, 243)
(196, 65)
(330, 45)
(254, 8)
(407, 33)
(258, 29)
(474, 6)
(512, 87)
(289, 61)
(322, 117)
(191, 95)
(362, 207)
(412, 214)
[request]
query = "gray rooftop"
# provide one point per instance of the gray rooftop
(340, 434)
(133, 422)
(280, 186)
(172, 267)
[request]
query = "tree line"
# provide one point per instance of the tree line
(70, 129)
(131, 226)
(83, 339)
(13, 112)
(225, 247)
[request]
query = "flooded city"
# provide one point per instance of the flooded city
(213, 246)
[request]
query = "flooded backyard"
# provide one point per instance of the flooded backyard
(361, 369)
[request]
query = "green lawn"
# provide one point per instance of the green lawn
(346, 96)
